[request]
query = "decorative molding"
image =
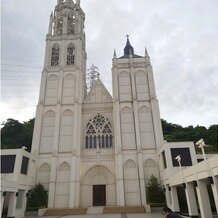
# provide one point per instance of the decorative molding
(150, 163)
(130, 164)
(68, 112)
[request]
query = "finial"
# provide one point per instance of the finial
(146, 52)
(128, 49)
(115, 55)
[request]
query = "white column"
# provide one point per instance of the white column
(141, 179)
(215, 191)
(2, 201)
(151, 83)
(72, 183)
(175, 201)
(60, 85)
(77, 183)
(75, 127)
(117, 133)
(12, 204)
(133, 84)
(47, 59)
(167, 194)
(37, 129)
(191, 200)
(157, 123)
(42, 88)
(119, 180)
(115, 85)
(203, 199)
(57, 128)
(136, 119)
(51, 194)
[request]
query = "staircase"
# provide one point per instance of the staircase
(124, 209)
(95, 210)
(65, 211)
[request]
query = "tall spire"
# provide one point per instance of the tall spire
(128, 49)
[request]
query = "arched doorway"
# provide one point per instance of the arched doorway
(98, 187)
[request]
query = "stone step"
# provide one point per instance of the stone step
(65, 211)
(124, 209)
(95, 210)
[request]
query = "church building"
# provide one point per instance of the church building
(92, 148)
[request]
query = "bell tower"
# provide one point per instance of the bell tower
(136, 120)
(57, 130)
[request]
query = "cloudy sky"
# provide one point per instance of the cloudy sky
(181, 38)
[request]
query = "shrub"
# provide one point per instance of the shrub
(155, 193)
(38, 198)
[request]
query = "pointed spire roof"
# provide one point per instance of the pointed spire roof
(129, 50)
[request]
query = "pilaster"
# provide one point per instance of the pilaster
(37, 129)
(119, 180)
(57, 129)
(141, 179)
(52, 183)
(72, 183)
(157, 123)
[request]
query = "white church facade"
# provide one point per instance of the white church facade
(92, 148)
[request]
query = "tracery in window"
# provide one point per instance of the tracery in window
(55, 56)
(71, 24)
(70, 55)
(99, 133)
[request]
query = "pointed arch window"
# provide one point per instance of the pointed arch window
(55, 56)
(70, 55)
(71, 24)
(60, 26)
(99, 133)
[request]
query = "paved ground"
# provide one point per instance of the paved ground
(144, 215)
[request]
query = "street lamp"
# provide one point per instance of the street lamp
(201, 144)
(178, 158)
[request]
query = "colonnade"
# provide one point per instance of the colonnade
(196, 193)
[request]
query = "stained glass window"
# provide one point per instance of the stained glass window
(99, 133)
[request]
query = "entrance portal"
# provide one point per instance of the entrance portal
(99, 195)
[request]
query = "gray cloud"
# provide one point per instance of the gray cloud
(181, 38)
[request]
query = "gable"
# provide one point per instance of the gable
(98, 94)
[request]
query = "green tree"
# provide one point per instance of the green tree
(16, 135)
(155, 193)
(175, 133)
(38, 197)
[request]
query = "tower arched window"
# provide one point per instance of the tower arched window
(60, 26)
(55, 56)
(99, 133)
(71, 24)
(70, 55)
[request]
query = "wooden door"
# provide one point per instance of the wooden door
(99, 195)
